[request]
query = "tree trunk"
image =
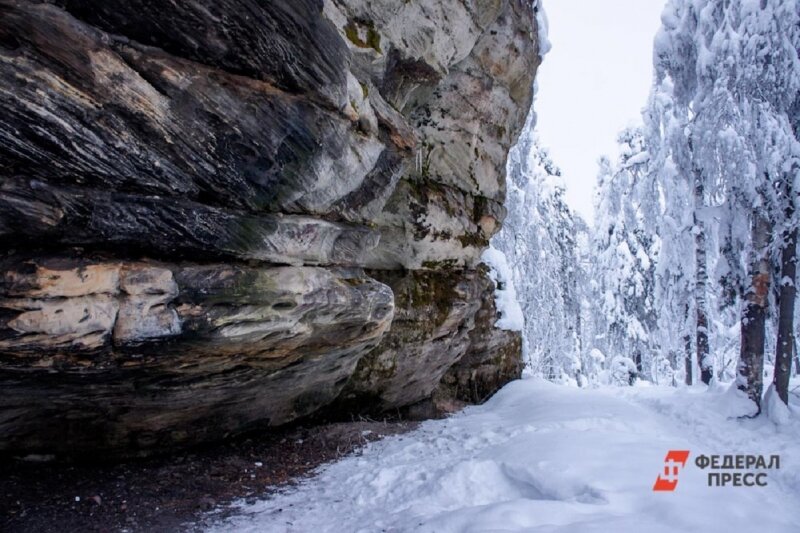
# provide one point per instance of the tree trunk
(754, 311)
(784, 351)
(687, 343)
(701, 278)
(700, 287)
(796, 357)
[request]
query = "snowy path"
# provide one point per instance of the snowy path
(541, 457)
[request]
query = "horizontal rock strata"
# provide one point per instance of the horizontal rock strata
(221, 215)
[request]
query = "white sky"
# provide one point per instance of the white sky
(593, 83)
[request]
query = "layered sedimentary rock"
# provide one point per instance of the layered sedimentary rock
(223, 215)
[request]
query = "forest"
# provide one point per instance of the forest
(688, 272)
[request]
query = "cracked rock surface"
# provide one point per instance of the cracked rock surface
(223, 215)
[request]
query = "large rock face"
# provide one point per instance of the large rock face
(220, 215)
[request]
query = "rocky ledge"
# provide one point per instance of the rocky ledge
(222, 215)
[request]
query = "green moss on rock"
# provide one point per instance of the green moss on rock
(371, 40)
(473, 239)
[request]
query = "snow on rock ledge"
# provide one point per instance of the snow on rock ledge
(511, 317)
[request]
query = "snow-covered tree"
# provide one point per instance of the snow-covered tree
(539, 240)
(672, 218)
(623, 247)
(722, 113)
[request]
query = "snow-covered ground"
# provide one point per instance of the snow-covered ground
(543, 457)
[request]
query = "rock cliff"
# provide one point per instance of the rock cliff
(222, 215)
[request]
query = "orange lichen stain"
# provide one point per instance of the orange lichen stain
(761, 288)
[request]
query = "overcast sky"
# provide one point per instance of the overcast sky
(593, 83)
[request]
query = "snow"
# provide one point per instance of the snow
(621, 370)
(543, 28)
(511, 317)
(545, 457)
(637, 159)
(775, 409)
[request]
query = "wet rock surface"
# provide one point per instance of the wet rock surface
(218, 216)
